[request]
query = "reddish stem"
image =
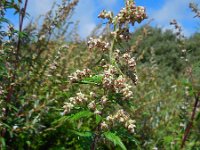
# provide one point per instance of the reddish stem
(189, 126)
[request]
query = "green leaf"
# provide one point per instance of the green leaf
(13, 107)
(21, 34)
(4, 20)
(115, 139)
(72, 118)
(83, 133)
(168, 139)
(60, 121)
(3, 143)
(81, 114)
(28, 143)
(6, 125)
(98, 119)
(96, 79)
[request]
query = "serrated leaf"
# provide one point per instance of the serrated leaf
(60, 121)
(73, 117)
(6, 125)
(4, 20)
(28, 143)
(168, 139)
(96, 79)
(13, 107)
(3, 143)
(98, 119)
(83, 133)
(186, 83)
(115, 139)
(81, 114)
(21, 34)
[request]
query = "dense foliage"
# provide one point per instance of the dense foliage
(60, 92)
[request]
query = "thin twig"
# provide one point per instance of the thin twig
(96, 138)
(11, 87)
(189, 126)
(21, 20)
(10, 90)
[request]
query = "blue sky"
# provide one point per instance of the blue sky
(162, 11)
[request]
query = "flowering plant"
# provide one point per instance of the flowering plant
(115, 78)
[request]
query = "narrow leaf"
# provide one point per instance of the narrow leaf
(82, 134)
(115, 139)
(81, 114)
(96, 79)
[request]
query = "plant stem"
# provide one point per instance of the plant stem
(11, 86)
(21, 20)
(112, 47)
(95, 139)
(112, 61)
(189, 126)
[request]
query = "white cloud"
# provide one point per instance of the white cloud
(108, 3)
(84, 13)
(39, 7)
(173, 9)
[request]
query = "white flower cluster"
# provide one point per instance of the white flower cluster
(108, 76)
(122, 34)
(10, 30)
(79, 75)
(178, 28)
(122, 117)
(106, 15)
(131, 13)
(104, 100)
(93, 105)
(67, 107)
(122, 87)
(130, 61)
(119, 84)
(104, 125)
(195, 9)
(98, 43)
(117, 54)
(78, 99)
